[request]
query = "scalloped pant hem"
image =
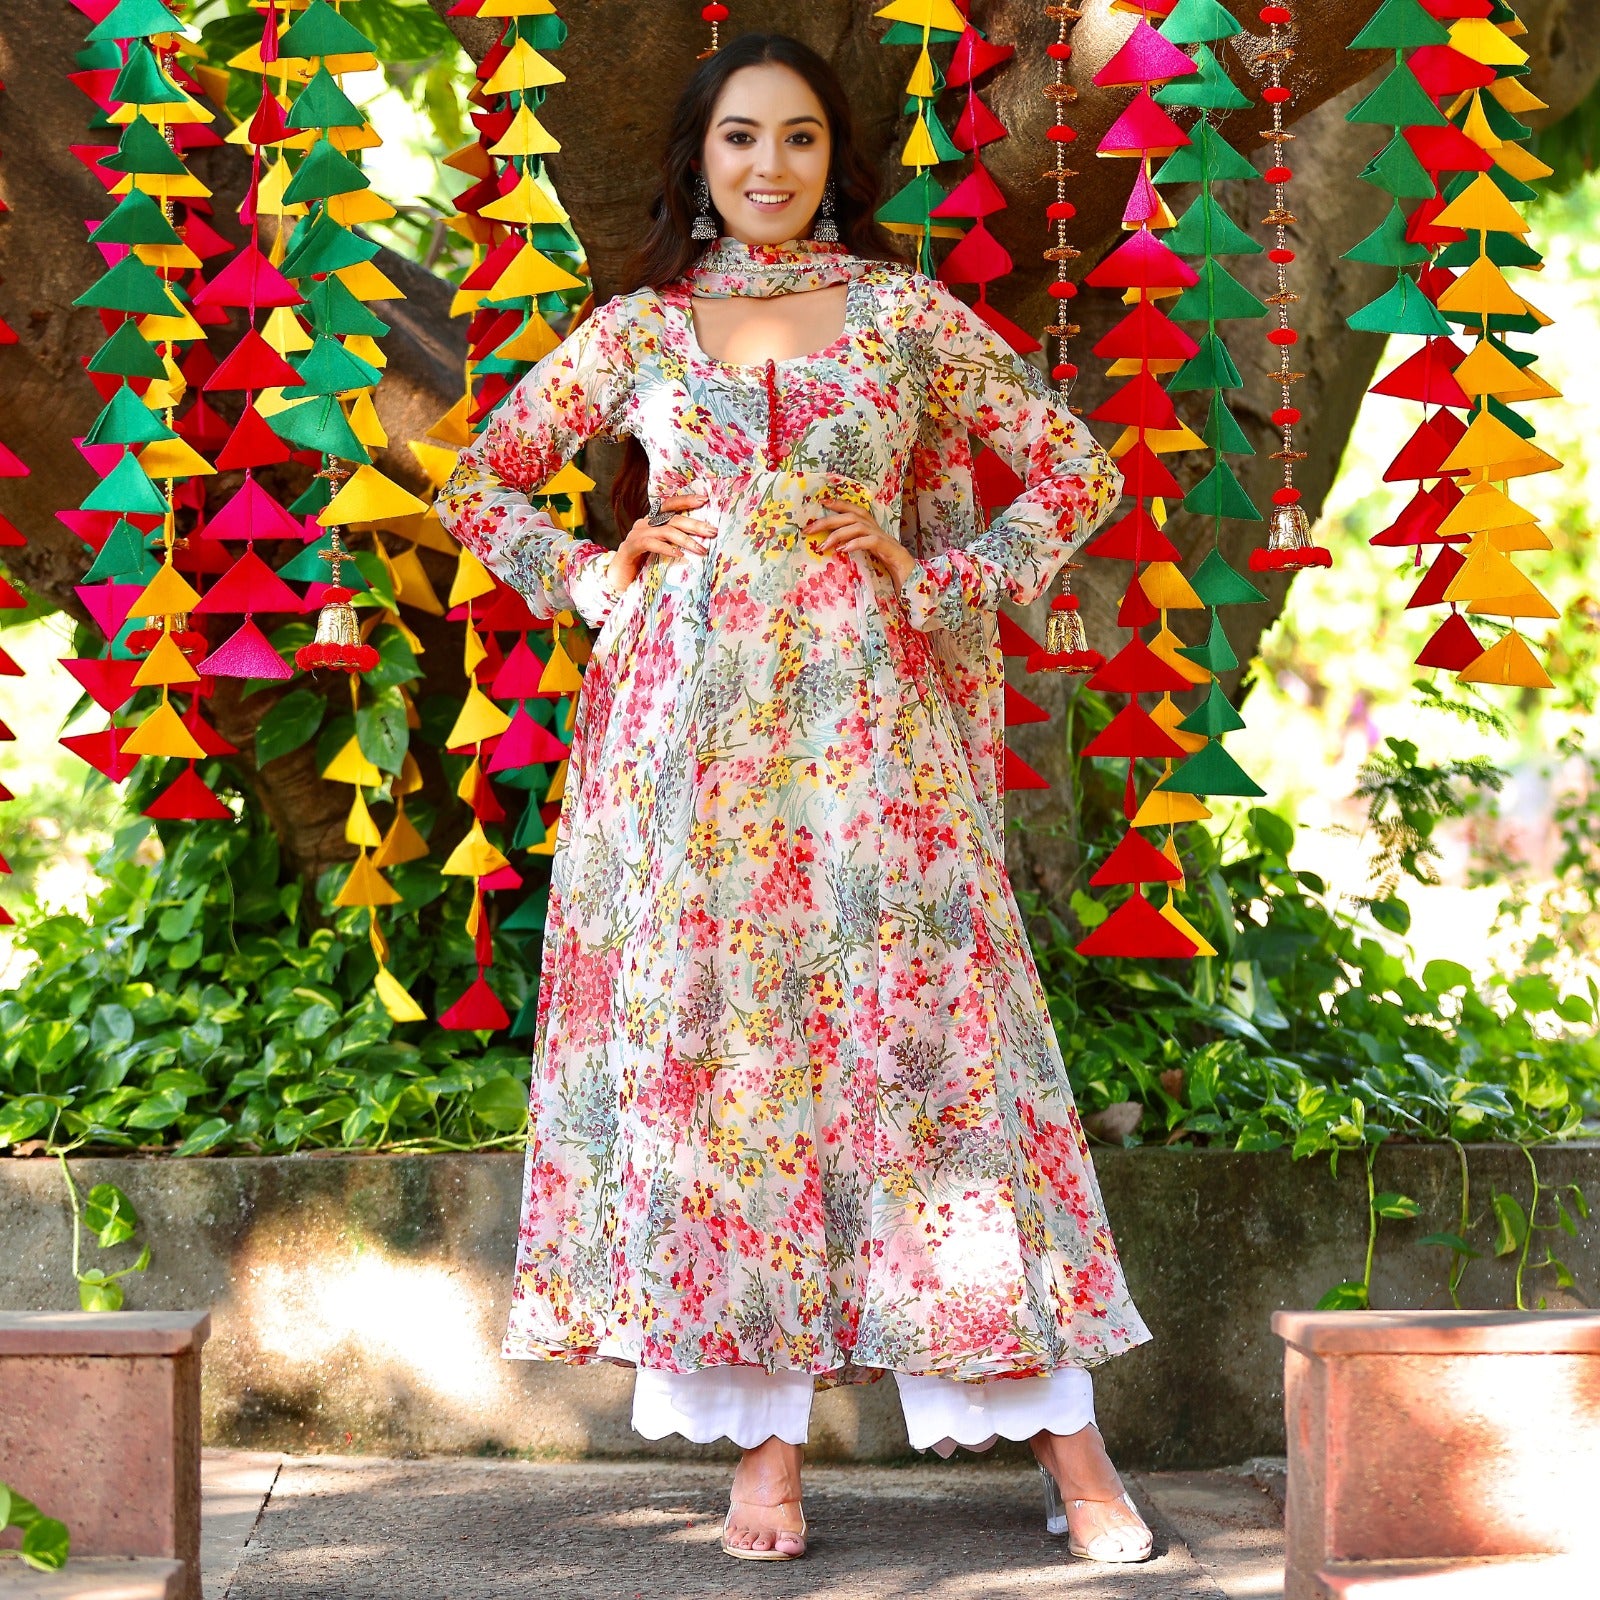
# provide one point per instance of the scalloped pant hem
(942, 1413)
(749, 1405)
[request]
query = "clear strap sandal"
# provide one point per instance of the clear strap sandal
(765, 1555)
(1110, 1544)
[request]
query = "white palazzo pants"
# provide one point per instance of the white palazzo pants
(749, 1405)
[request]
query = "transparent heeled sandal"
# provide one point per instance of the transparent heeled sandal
(1105, 1546)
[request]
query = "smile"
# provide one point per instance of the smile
(769, 200)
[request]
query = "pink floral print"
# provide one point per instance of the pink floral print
(797, 1101)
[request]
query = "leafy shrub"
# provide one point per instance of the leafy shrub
(200, 1008)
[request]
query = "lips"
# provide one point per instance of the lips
(769, 205)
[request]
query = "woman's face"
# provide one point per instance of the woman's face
(766, 155)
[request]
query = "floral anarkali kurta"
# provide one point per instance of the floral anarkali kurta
(797, 1101)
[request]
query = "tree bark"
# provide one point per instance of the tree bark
(624, 64)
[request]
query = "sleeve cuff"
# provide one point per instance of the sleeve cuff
(590, 587)
(931, 603)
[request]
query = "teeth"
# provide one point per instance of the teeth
(767, 197)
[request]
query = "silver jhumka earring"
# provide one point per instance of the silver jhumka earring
(705, 225)
(826, 229)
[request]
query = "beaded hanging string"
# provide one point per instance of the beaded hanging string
(1289, 545)
(1066, 643)
(716, 14)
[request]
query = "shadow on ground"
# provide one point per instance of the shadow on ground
(481, 1530)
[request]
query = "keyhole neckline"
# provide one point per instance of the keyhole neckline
(846, 334)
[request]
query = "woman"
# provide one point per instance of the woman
(799, 1116)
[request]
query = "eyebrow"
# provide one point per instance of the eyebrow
(751, 121)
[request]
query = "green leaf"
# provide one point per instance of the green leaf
(1393, 914)
(371, 567)
(158, 1110)
(381, 729)
(1450, 1241)
(97, 1292)
(1344, 1297)
(1396, 1205)
(1533, 992)
(1440, 977)
(112, 1028)
(109, 1215)
(396, 662)
(291, 723)
(315, 1020)
(22, 1119)
(1090, 913)
(1511, 1224)
(210, 1133)
(45, 1545)
(502, 1103)
(1274, 832)
(5, 1493)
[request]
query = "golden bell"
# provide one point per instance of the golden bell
(1064, 632)
(1289, 529)
(337, 624)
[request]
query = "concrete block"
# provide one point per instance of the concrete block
(98, 1578)
(1537, 1577)
(100, 1428)
(1448, 1436)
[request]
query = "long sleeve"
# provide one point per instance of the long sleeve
(978, 384)
(576, 392)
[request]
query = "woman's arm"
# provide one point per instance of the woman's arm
(575, 392)
(978, 383)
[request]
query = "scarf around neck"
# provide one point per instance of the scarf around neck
(731, 267)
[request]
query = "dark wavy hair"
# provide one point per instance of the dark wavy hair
(667, 251)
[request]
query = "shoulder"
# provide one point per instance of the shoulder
(627, 323)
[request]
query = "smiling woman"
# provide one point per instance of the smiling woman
(798, 1111)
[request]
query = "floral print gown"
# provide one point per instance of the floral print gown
(797, 1101)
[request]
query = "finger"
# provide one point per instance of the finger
(686, 541)
(823, 523)
(682, 502)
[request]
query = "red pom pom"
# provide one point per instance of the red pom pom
(1310, 555)
(1278, 15)
(1064, 290)
(1064, 602)
(1282, 257)
(143, 639)
(714, 13)
(1283, 336)
(1286, 416)
(1277, 97)
(1286, 497)
(1060, 210)
(1277, 174)
(1060, 133)
(1058, 52)
(1064, 371)
(333, 595)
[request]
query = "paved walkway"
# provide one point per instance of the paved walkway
(358, 1528)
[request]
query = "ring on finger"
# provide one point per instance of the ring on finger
(659, 519)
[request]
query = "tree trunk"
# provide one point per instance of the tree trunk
(624, 64)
